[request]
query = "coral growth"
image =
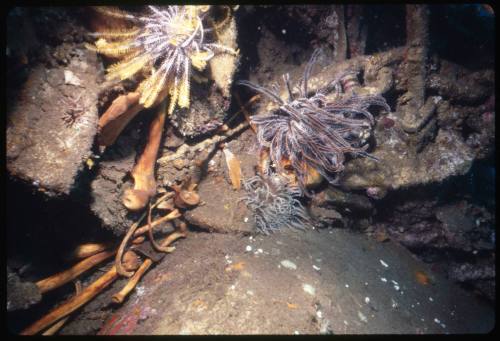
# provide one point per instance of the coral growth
(313, 131)
(274, 204)
(165, 44)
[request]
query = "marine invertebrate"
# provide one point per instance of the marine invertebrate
(74, 111)
(166, 44)
(274, 204)
(311, 131)
(162, 46)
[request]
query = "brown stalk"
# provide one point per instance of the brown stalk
(81, 299)
(143, 229)
(243, 109)
(143, 173)
(120, 296)
(151, 237)
(119, 267)
(138, 240)
(73, 303)
(55, 328)
(88, 249)
(173, 237)
(185, 197)
(123, 109)
(59, 279)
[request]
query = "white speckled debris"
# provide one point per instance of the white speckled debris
(383, 279)
(309, 289)
(367, 299)
(431, 299)
(70, 78)
(384, 263)
(248, 248)
(289, 264)
(362, 317)
(140, 290)
(316, 267)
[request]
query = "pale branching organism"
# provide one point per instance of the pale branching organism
(163, 44)
(275, 204)
(311, 131)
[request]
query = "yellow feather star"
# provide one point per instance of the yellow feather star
(164, 44)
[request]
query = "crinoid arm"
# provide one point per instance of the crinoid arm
(152, 86)
(222, 48)
(115, 49)
(308, 70)
(127, 68)
(274, 204)
(184, 86)
(116, 34)
(114, 12)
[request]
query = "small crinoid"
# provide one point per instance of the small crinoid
(310, 131)
(164, 44)
(274, 204)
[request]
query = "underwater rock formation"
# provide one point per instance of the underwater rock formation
(454, 231)
(20, 295)
(51, 122)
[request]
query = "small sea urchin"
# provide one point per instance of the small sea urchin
(165, 44)
(274, 204)
(311, 131)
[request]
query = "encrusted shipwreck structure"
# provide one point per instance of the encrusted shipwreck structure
(382, 130)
